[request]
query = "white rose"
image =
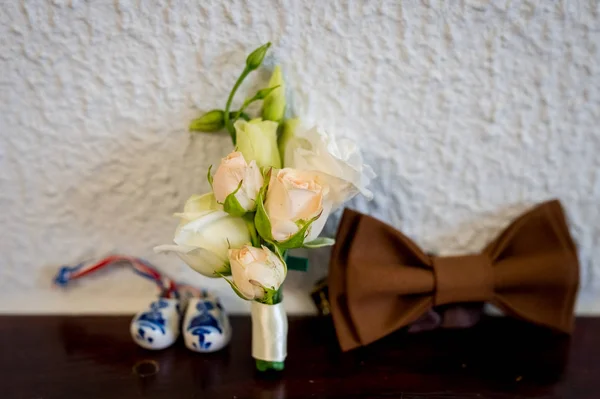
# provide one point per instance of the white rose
(233, 170)
(340, 163)
(256, 269)
(205, 234)
(293, 198)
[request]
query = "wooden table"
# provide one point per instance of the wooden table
(94, 357)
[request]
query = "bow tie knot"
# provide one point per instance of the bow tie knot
(467, 278)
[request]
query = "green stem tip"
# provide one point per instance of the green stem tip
(264, 365)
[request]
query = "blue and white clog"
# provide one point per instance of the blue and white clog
(159, 326)
(206, 326)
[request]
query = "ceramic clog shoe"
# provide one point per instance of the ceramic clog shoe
(206, 326)
(158, 326)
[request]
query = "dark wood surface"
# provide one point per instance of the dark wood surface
(94, 357)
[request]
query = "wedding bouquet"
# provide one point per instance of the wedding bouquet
(271, 194)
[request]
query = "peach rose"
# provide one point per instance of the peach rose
(256, 269)
(233, 170)
(294, 197)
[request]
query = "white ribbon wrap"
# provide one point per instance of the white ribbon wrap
(269, 332)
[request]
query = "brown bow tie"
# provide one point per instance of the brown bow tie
(380, 281)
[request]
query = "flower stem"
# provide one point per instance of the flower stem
(254, 238)
(242, 108)
(260, 95)
(228, 122)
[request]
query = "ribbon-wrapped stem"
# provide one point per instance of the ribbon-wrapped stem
(269, 335)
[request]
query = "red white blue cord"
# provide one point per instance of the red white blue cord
(168, 287)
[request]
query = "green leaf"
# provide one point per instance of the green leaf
(261, 219)
(297, 240)
(319, 242)
(232, 205)
(212, 121)
(233, 286)
(282, 255)
(209, 176)
(270, 297)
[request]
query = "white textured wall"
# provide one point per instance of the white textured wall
(469, 111)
